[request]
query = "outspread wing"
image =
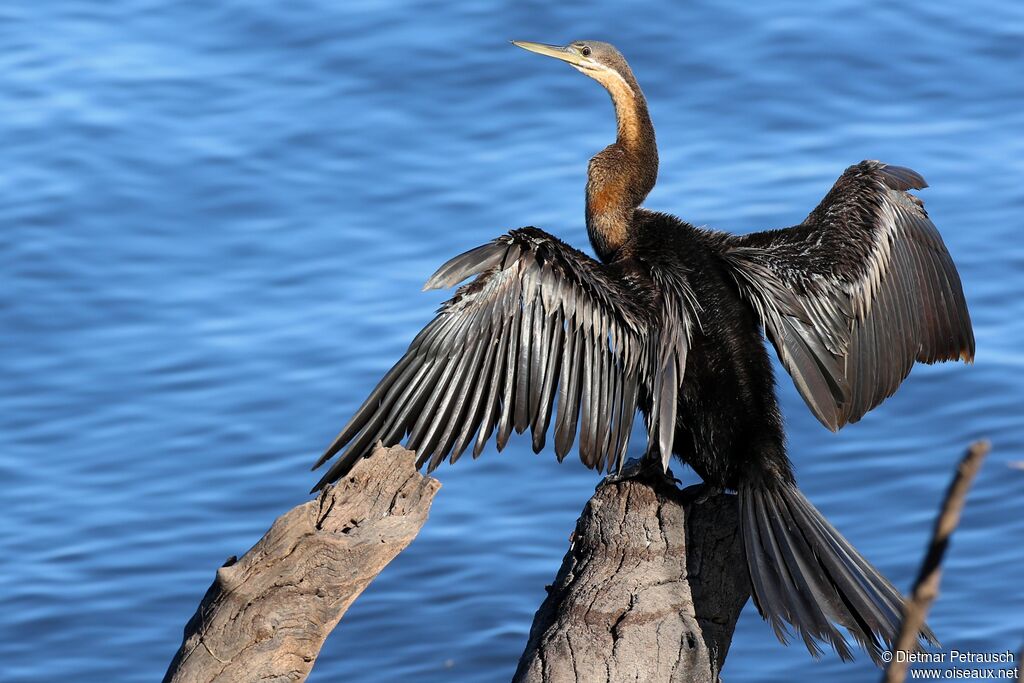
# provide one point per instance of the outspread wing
(541, 325)
(857, 293)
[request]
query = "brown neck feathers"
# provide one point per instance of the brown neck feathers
(621, 175)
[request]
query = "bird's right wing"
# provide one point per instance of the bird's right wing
(541, 324)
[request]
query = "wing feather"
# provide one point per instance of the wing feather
(856, 294)
(542, 327)
(568, 394)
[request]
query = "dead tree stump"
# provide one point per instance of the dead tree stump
(266, 615)
(650, 590)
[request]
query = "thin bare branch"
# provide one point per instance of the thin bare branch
(926, 588)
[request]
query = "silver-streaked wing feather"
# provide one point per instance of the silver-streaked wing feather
(541, 328)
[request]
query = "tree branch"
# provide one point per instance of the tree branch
(266, 615)
(926, 588)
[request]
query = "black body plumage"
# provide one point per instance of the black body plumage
(669, 324)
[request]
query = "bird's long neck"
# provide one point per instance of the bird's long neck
(621, 175)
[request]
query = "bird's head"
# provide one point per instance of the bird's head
(600, 61)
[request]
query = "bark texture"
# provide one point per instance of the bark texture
(266, 615)
(650, 590)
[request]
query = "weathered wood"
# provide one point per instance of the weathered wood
(926, 587)
(650, 590)
(266, 615)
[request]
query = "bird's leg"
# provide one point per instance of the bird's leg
(645, 467)
(700, 493)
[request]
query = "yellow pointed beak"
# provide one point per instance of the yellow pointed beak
(566, 54)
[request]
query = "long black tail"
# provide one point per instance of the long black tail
(806, 574)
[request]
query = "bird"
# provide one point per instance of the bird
(669, 321)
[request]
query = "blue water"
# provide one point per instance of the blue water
(216, 218)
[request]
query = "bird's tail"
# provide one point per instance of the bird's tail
(804, 573)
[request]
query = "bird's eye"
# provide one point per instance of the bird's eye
(585, 50)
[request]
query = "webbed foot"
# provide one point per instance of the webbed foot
(641, 468)
(700, 493)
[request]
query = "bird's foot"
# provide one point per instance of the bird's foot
(641, 468)
(700, 493)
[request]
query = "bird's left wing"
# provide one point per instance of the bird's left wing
(541, 324)
(857, 293)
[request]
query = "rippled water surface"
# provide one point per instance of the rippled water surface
(216, 218)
